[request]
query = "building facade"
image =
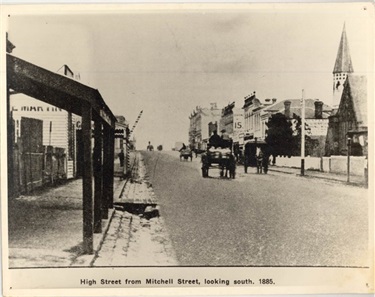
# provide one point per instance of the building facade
(201, 121)
(121, 146)
(59, 126)
(226, 121)
(255, 117)
(349, 123)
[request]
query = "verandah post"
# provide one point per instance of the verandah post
(87, 180)
(106, 170)
(111, 154)
(98, 177)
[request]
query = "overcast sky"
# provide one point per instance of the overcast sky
(167, 63)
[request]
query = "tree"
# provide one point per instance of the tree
(310, 144)
(280, 136)
(160, 147)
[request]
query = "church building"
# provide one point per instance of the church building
(343, 67)
(348, 122)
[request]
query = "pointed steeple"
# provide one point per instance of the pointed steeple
(343, 60)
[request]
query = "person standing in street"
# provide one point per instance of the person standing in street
(121, 156)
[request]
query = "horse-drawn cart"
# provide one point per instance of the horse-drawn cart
(186, 154)
(256, 154)
(222, 159)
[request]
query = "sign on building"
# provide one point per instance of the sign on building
(238, 125)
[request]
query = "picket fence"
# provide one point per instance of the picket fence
(333, 164)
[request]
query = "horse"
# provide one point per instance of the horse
(229, 165)
(259, 157)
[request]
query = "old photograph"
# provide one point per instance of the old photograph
(166, 141)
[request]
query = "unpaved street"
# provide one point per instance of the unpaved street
(255, 220)
(273, 219)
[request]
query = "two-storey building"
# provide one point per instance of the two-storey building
(201, 121)
(254, 115)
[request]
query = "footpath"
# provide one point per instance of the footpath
(355, 180)
(37, 222)
(133, 235)
(137, 235)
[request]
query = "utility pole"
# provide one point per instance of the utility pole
(128, 144)
(349, 143)
(303, 135)
(135, 123)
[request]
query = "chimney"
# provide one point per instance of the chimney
(318, 109)
(287, 108)
(274, 100)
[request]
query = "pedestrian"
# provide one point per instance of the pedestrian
(266, 160)
(121, 156)
(150, 147)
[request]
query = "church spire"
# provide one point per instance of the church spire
(343, 60)
(343, 67)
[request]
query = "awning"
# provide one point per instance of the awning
(55, 89)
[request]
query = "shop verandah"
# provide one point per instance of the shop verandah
(72, 96)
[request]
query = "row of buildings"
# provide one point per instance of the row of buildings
(58, 129)
(47, 141)
(331, 126)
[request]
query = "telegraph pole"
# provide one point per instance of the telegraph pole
(349, 144)
(303, 135)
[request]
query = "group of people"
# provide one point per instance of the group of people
(222, 141)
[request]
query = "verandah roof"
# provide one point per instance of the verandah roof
(55, 89)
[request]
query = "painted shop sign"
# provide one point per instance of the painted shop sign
(38, 108)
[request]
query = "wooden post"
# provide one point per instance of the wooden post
(111, 154)
(98, 176)
(10, 139)
(87, 180)
(303, 134)
(349, 143)
(106, 170)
